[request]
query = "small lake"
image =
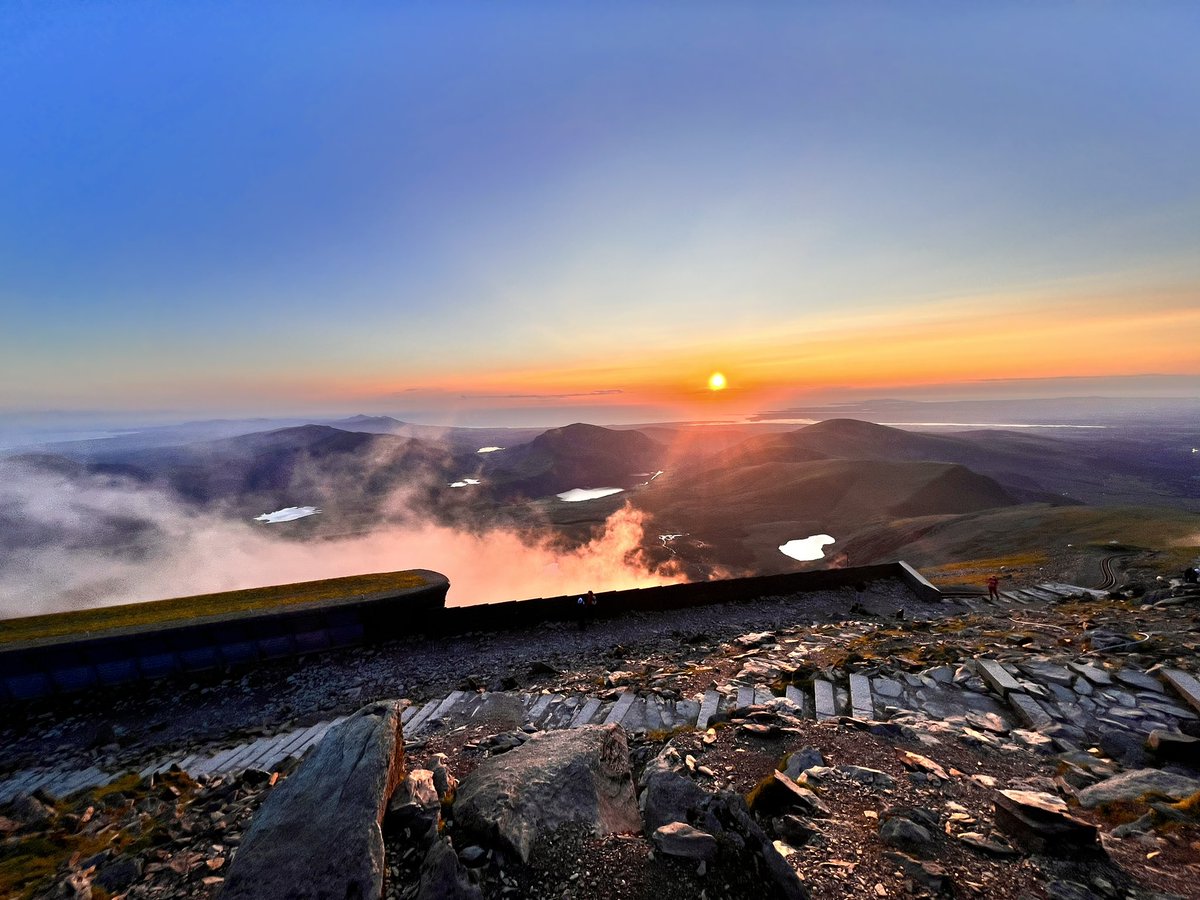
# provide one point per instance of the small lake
(575, 495)
(488, 449)
(466, 482)
(288, 514)
(806, 549)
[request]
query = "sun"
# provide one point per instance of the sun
(716, 382)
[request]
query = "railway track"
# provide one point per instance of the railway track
(1108, 572)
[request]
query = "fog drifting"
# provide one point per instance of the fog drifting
(70, 541)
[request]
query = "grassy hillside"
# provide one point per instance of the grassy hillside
(182, 609)
(825, 493)
(1035, 538)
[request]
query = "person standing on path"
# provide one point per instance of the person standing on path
(993, 584)
(586, 608)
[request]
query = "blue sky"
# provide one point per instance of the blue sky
(269, 207)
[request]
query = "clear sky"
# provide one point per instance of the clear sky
(267, 208)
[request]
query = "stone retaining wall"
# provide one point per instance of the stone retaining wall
(83, 662)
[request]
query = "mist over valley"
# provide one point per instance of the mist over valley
(181, 510)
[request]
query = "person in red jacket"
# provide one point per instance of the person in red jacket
(993, 584)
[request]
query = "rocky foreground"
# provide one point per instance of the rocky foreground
(1045, 751)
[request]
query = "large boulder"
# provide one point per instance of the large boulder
(318, 833)
(1136, 785)
(580, 775)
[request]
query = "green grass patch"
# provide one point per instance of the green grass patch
(31, 863)
(978, 569)
(183, 609)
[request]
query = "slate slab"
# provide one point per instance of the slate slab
(862, 706)
(823, 700)
(318, 834)
(997, 677)
(1137, 784)
(1185, 685)
(1041, 823)
(1030, 711)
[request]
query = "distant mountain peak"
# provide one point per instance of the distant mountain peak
(848, 426)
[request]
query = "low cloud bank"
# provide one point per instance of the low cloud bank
(68, 541)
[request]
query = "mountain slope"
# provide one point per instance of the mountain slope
(308, 464)
(574, 456)
(826, 494)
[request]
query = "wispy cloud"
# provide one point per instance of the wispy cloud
(568, 396)
(71, 541)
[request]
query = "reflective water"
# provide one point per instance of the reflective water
(287, 514)
(805, 549)
(575, 495)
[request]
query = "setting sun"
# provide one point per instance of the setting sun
(716, 382)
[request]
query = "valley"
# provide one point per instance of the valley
(701, 501)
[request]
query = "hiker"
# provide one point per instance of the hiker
(993, 584)
(1191, 575)
(581, 613)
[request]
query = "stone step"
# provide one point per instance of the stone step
(1040, 593)
(78, 781)
(620, 708)
(745, 695)
(666, 711)
(708, 708)
(1066, 590)
(302, 740)
(246, 753)
(24, 782)
(687, 712)
(468, 706)
(653, 713)
(1185, 685)
(1029, 710)
(798, 697)
(862, 706)
(418, 720)
(452, 700)
(217, 763)
(824, 703)
(537, 712)
(586, 712)
(997, 676)
(253, 753)
(561, 713)
(635, 716)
